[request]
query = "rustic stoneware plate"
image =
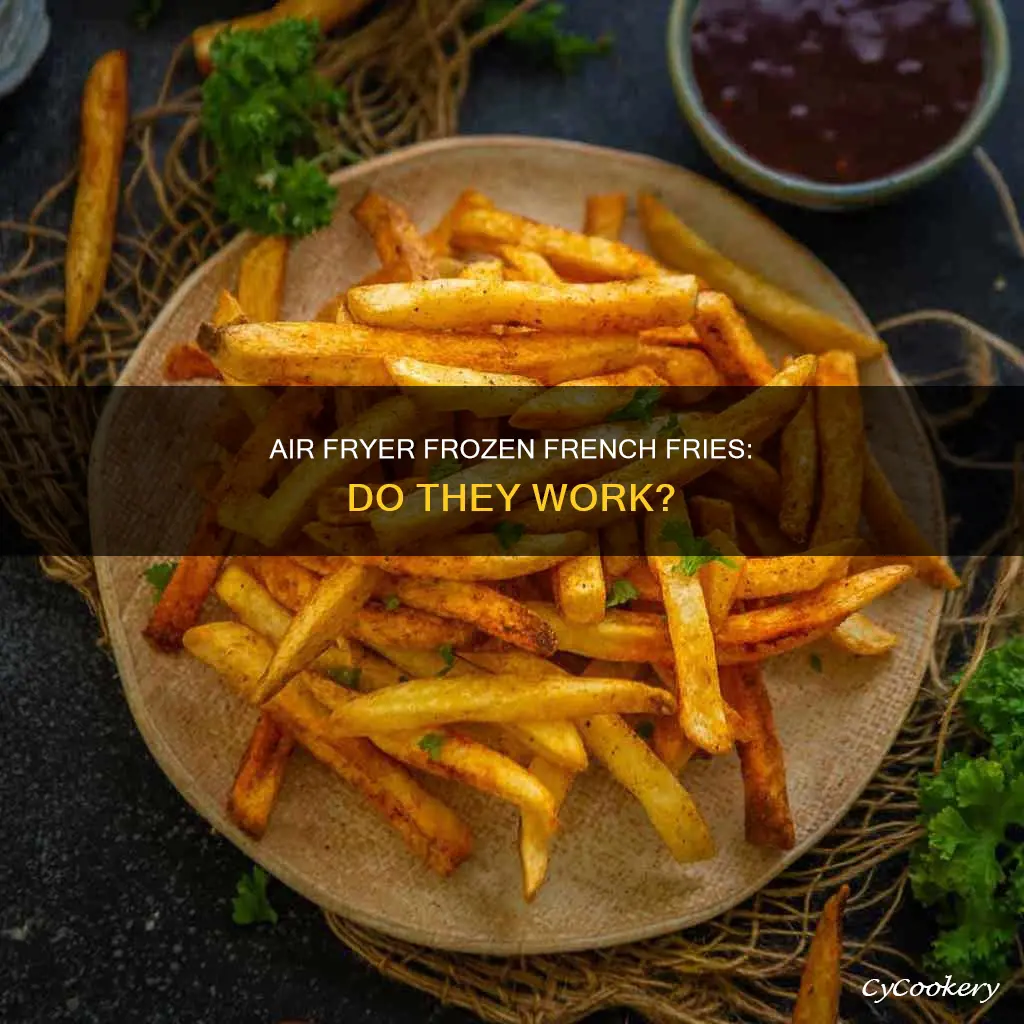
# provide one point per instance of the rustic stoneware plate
(611, 879)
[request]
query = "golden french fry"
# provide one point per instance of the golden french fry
(722, 579)
(93, 221)
(897, 534)
(406, 627)
(840, 423)
(342, 540)
(440, 236)
(486, 270)
(452, 304)
(443, 388)
(429, 828)
(756, 479)
(332, 604)
(579, 588)
(762, 763)
(261, 279)
(762, 650)
(605, 215)
(472, 566)
(713, 514)
(798, 470)
(860, 635)
(403, 251)
(619, 636)
(679, 247)
(290, 583)
(178, 607)
(760, 531)
(727, 339)
(259, 776)
(824, 607)
(354, 354)
(620, 548)
(821, 982)
(794, 574)
(569, 252)
(667, 804)
(527, 265)
(536, 833)
(689, 371)
(479, 604)
(189, 362)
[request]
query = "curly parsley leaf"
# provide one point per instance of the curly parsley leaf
(994, 698)
(539, 34)
(272, 121)
(621, 592)
(695, 551)
(639, 407)
(392, 603)
(250, 905)
(447, 653)
(158, 576)
(508, 534)
(431, 743)
(347, 677)
(448, 466)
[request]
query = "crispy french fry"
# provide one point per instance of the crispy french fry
(569, 252)
(446, 304)
(440, 236)
(619, 636)
(689, 371)
(860, 635)
(421, 703)
(402, 250)
(473, 566)
(407, 627)
(443, 388)
(605, 214)
(527, 265)
(93, 221)
(756, 479)
(332, 604)
(840, 423)
(535, 832)
(481, 605)
(794, 574)
(667, 804)
(722, 579)
(821, 982)
(259, 776)
(354, 354)
(727, 339)
(592, 400)
(290, 583)
(897, 534)
(261, 279)
(179, 605)
(429, 828)
(824, 607)
(620, 548)
(798, 470)
(482, 271)
(762, 650)
(342, 540)
(679, 247)
(711, 514)
(579, 588)
(189, 362)
(327, 13)
(759, 531)
(762, 763)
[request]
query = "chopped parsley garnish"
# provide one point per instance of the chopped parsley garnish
(695, 551)
(639, 407)
(508, 534)
(347, 677)
(431, 743)
(447, 653)
(250, 905)
(158, 576)
(621, 592)
(448, 466)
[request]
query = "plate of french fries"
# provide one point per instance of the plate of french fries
(555, 731)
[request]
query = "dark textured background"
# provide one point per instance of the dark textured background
(115, 898)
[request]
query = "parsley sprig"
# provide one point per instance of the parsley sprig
(508, 534)
(347, 677)
(639, 407)
(621, 592)
(694, 551)
(250, 905)
(448, 466)
(431, 743)
(158, 576)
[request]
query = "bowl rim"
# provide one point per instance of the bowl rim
(784, 185)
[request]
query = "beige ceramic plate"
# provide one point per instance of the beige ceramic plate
(611, 880)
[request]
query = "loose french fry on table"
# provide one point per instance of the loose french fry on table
(821, 982)
(605, 214)
(93, 220)
(679, 247)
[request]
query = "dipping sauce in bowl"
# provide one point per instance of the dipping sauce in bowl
(838, 91)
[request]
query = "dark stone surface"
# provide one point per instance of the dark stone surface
(116, 896)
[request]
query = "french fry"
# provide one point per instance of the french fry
(178, 607)
(472, 566)
(259, 776)
(291, 584)
(428, 827)
(569, 252)
(327, 13)
(407, 627)
(422, 703)
(332, 604)
(527, 265)
(604, 215)
(619, 636)
(821, 982)
(798, 470)
(261, 279)
(354, 354)
(759, 531)
(93, 220)
(722, 579)
(794, 574)
(897, 534)
(481, 605)
(536, 833)
(689, 371)
(189, 362)
(579, 588)
(823, 607)
(476, 304)
(342, 540)
(443, 388)
(678, 246)
(762, 763)
(713, 514)
(620, 548)
(840, 423)
(860, 635)
(485, 271)
(756, 479)
(667, 804)
(439, 238)
(761, 650)
(401, 248)
(593, 400)
(727, 339)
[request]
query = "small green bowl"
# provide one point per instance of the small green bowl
(815, 195)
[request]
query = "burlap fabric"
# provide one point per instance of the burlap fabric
(406, 71)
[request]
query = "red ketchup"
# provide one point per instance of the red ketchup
(838, 90)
